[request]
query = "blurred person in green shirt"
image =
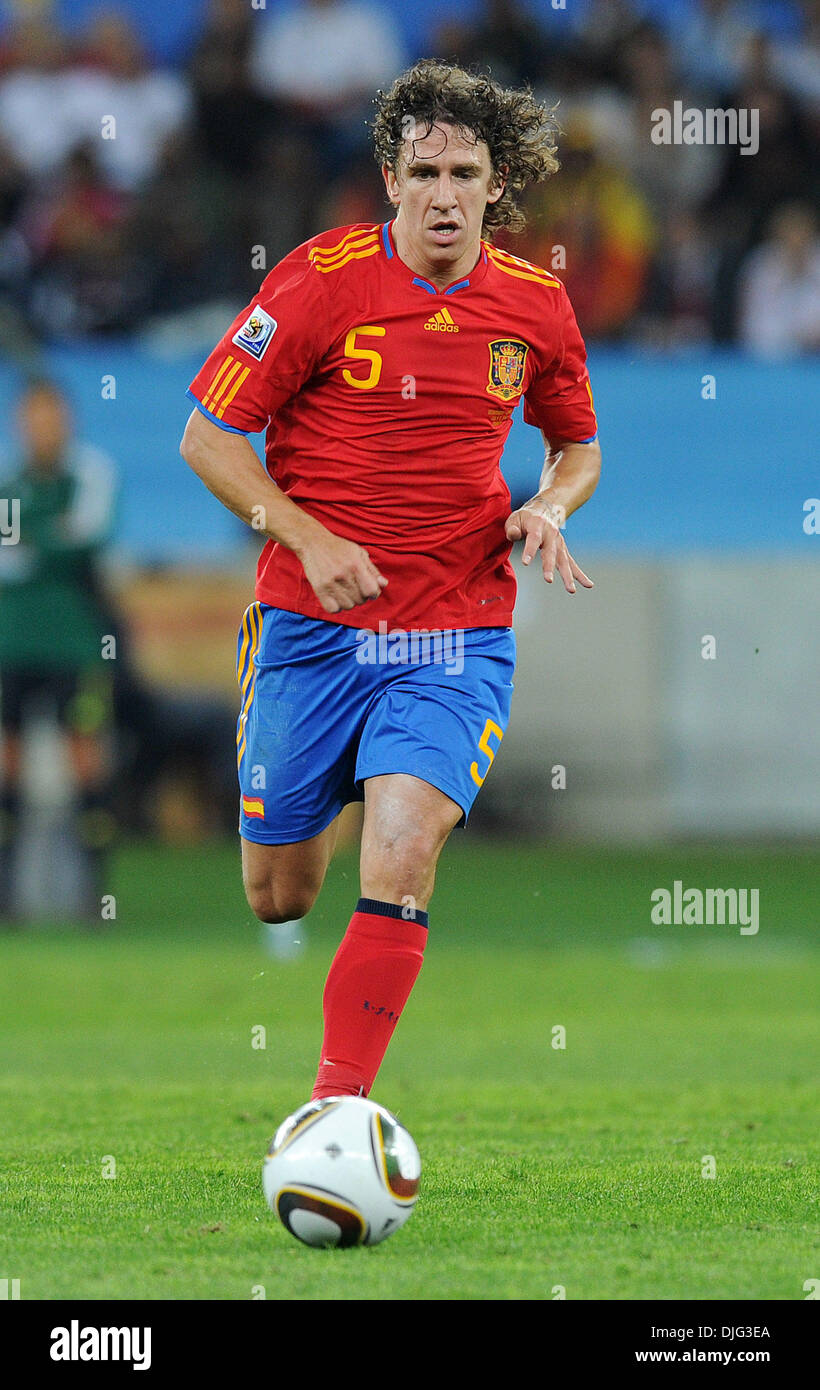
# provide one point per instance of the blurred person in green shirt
(55, 518)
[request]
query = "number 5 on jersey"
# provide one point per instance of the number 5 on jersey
(489, 728)
(364, 383)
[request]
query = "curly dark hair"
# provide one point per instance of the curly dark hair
(521, 133)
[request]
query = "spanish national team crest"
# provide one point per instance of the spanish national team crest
(507, 359)
(255, 333)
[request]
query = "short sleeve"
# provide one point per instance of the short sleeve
(269, 351)
(559, 398)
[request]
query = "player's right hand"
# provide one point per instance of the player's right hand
(340, 572)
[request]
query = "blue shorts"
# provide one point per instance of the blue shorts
(324, 706)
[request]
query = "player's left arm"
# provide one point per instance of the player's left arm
(569, 477)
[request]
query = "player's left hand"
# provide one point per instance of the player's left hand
(537, 523)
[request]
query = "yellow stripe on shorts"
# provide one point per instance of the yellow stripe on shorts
(254, 614)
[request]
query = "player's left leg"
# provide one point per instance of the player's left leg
(406, 823)
(428, 740)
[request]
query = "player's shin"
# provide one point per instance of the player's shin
(369, 983)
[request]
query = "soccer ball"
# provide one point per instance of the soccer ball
(341, 1171)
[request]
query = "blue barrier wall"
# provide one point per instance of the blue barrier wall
(681, 474)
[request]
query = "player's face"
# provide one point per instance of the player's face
(442, 186)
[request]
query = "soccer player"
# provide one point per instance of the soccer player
(385, 362)
(52, 624)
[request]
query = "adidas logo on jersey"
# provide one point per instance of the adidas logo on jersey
(441, 322)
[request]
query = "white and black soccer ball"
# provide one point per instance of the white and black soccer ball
(342, 1171)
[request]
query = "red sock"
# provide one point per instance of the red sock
(369, 983)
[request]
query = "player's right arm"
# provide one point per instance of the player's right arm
(263, 359)
(340, 572)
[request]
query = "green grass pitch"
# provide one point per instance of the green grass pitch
(546, 1169)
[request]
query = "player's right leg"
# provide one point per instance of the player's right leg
(301, 701)
(282, 882)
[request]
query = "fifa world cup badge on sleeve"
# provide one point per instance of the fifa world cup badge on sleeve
(255, 333)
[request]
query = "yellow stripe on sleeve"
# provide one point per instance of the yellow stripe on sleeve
(220, 370)
(226, 381)
(239, 380)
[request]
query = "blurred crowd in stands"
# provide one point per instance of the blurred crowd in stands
(259, 137)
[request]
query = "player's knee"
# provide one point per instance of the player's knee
(279, 903)
(401, 866)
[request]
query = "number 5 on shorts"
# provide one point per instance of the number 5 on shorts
(489, 728)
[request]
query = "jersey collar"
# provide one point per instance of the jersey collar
(392, 256)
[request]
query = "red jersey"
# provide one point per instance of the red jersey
(387, 405)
